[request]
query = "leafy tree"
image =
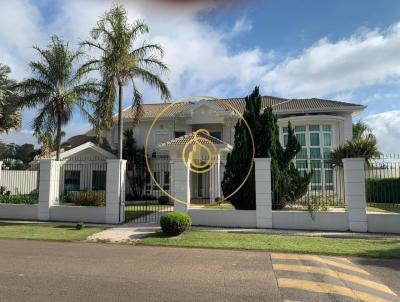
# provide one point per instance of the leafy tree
(288, 184)
(56, 87)
(10, 114)
(120, 63)
(363, 144)
(136, 168)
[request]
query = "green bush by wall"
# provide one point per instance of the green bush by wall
(175, 223)
(19, 199)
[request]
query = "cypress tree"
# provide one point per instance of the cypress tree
(288, 184)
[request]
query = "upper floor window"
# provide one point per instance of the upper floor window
(216, 134)
(179, 134)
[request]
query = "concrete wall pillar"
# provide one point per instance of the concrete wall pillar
(263, 192)
(355, 197)
(115, 191)
(181, 188)
(48, 187)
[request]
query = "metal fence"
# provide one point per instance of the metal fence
(382, 183)
(145, 201)
(81, 181)
(19, 183)
(323, 192)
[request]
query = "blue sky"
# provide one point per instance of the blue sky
(344, 50)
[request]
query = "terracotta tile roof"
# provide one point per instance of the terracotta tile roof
(183, 140)
(279, 105)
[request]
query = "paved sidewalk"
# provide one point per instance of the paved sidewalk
(125, 233)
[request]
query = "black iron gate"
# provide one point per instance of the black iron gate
(145, 202)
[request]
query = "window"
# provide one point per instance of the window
(72, 180)
(314, 139)
(161, 137)
(166, 180)
(156, 175)
(327, 139)
(302, 153)
(300, 129)
(301, 137)
(216, 134)
(179, 134)
(148, 183)
(99, 180)
(315, 153)
(316, 146)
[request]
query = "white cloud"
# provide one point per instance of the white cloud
(241, 25)
(385, 126)
(364, 59)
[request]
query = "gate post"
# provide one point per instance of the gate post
(354, 190)
(263, 192)
(48, 187)
(181, 185)
(115, 191)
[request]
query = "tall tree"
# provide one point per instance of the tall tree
(57, 85)
(121, 62)
(288, 184)
(10, 114)
(363, 144)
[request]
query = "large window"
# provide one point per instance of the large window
(316, 146)
(72, 180)
(216, 134)
(179, 134)
(99, 180)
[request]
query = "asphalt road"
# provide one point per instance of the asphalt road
(57, 271)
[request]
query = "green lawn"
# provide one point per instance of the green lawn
(136, 211)
(45, 232)
(279, 243)
(217, 206)
(384, 207)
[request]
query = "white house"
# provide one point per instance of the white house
(319, 124)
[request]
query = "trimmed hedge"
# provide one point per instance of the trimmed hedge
(19, 199)
(86, 198)
(386, 190)
(175, 223)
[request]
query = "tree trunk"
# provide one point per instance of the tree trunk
(58, 138)
(120, 121)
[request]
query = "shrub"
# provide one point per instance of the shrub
(385, 190)
(19, 199)
(86, 198)
(163, 200)
(175, 223)
(80, 225)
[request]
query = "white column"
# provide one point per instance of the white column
(354, 188)
(219, 195)
(115, 190)
(181, 186)
(263, 192)
(1, 165)
(48, 186)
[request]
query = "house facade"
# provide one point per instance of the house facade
(320, 126)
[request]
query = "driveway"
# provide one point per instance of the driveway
(57, 271)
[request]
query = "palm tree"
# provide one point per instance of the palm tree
(121, 62)
(363, 144)
(10, 114)
(57, 86)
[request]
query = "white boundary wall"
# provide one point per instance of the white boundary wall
(355, 218)
(78, 213)
(223, 218)
(19, 211)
